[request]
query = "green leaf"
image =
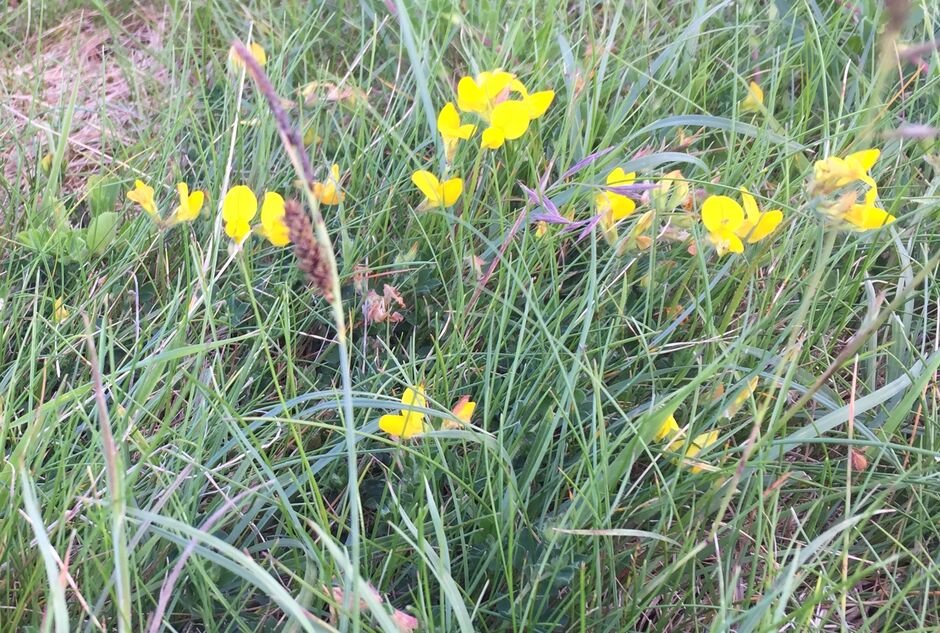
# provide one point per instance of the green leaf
(102, 194)
(101, 233)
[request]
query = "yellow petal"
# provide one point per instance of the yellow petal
(470, 97)
(751, 210)
(448, 119)
(142, 194)
(258, 53)
(401, 426)
(492, 138)
(272, 219)
(429, 185)
(239, 205)
(452, 190)
(238, 230)
(618, 178)
(464, 409)
(512, 117)
(620, 206)
(667, 428)
(765, 226)
(721, 213)
(517, 86)
(493, 83)
(865, 158)
(539, 102)
(414, 397)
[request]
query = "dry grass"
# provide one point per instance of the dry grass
(102, 64)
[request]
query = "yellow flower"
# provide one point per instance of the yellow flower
(480, 95)
(448, 124)
(757, 225)
(408, 423)
(142, 194)
(668, 428)
(831, 173)
(190, 204)
(329, 192)
(463, 411)
(509, 121)
(438, 194)
(238, 208)
(754, 99)
(616, 206)
(46, 162)
(272, 219)
(866, 216)
(59, 313)
(257, 51)
(723, 217)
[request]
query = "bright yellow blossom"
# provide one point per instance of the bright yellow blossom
(754, 99)
(329, 192)
(723, 217)
(189, 206)
(238, 208)
(448, 124)
(272, 219)
(142, 194)
(408, 423)
(757, 225)
(437, 193)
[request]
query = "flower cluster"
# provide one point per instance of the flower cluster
(832, 175)
(501, 101)
(491, 97)
(409, 422)
(190, 204)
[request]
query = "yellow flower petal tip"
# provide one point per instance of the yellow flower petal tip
(437, 193)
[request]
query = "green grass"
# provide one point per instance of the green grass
(220, 376)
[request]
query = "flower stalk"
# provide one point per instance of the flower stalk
(329, 285)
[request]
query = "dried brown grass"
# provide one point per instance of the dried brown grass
(112, 70)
